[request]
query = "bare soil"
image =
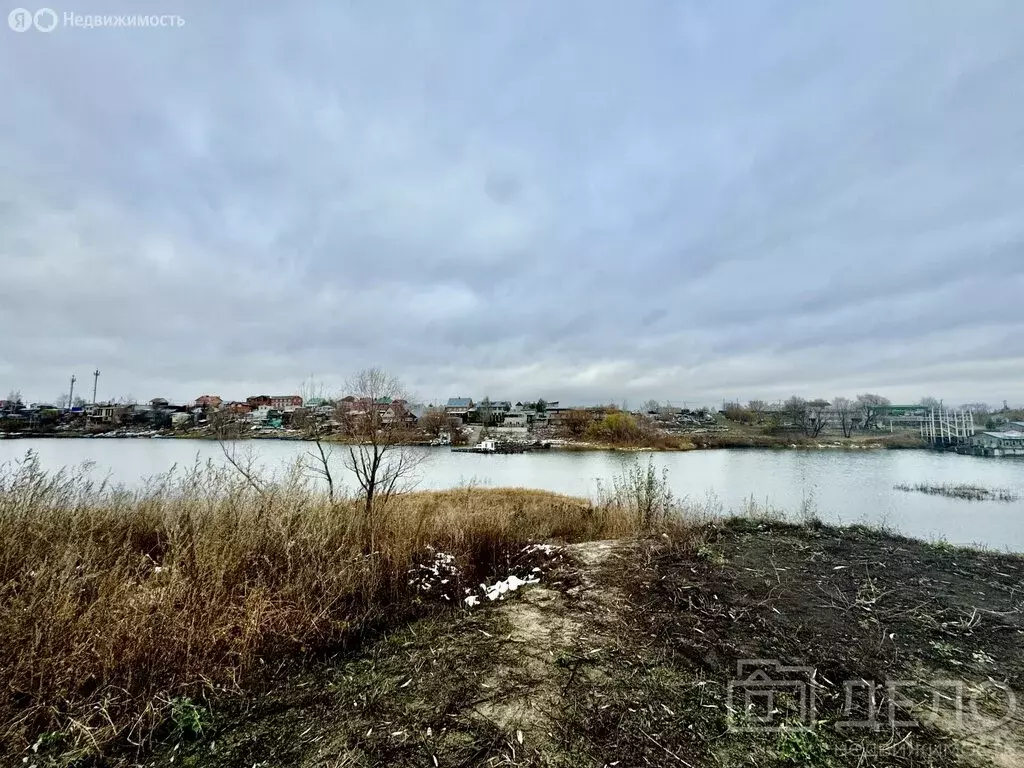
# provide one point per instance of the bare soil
(629, 656)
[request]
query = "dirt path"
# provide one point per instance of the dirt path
(550, 624)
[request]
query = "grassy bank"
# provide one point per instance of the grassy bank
(121, 612)
(628, 656)
(206, 623)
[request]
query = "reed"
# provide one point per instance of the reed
(120, 608)
(960, 491)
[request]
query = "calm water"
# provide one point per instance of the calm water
(846, 486)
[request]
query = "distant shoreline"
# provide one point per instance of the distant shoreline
(670, 444)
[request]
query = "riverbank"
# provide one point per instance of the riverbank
(627, 653)
(222, 625)
(684, 442)
(753, 440)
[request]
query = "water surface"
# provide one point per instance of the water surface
(843, 486)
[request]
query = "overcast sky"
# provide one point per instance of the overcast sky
(581, 201)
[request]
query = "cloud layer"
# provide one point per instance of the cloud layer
(571, 200)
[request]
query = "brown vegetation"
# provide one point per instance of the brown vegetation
(577, 421)
(961, 491)
(621, 429)
(118, 608)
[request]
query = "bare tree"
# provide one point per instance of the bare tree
(435, 421)
(315, 426)
(380, 463)
(794, 411)
(485, 410)
(816, 418)
(736, 412)
(757, 408)
(870, 405)
(652, 406)
(224, 424)
(978, 409)
(931, 403)
(847, 412)
(806, 415)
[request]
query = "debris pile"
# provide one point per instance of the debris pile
(529, 565)
(438, 576)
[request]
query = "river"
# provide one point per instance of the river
(843, 486)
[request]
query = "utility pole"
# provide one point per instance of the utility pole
(71, 393)
(95, 381)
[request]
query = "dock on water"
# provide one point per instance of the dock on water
(502, 446)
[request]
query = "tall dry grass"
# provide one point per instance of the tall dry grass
(115, 605)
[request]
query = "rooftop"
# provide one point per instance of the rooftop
(1010, 435)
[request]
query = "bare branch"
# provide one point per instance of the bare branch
(244, 465)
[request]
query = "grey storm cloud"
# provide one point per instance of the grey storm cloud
(580, 201)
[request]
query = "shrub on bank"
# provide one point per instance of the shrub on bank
(623, 429)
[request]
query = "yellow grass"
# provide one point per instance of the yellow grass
(114, 605)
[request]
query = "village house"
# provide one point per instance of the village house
(102, 413)
(209, 401)
(354, 406)
(265, 415)
(516, 419)
(488, 412)
(395, 412)
(285, 402)
(319, 406)
(459, 407)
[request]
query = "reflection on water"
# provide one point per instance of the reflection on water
(844, 486)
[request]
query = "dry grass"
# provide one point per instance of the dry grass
(119, 608)
(960, 491)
